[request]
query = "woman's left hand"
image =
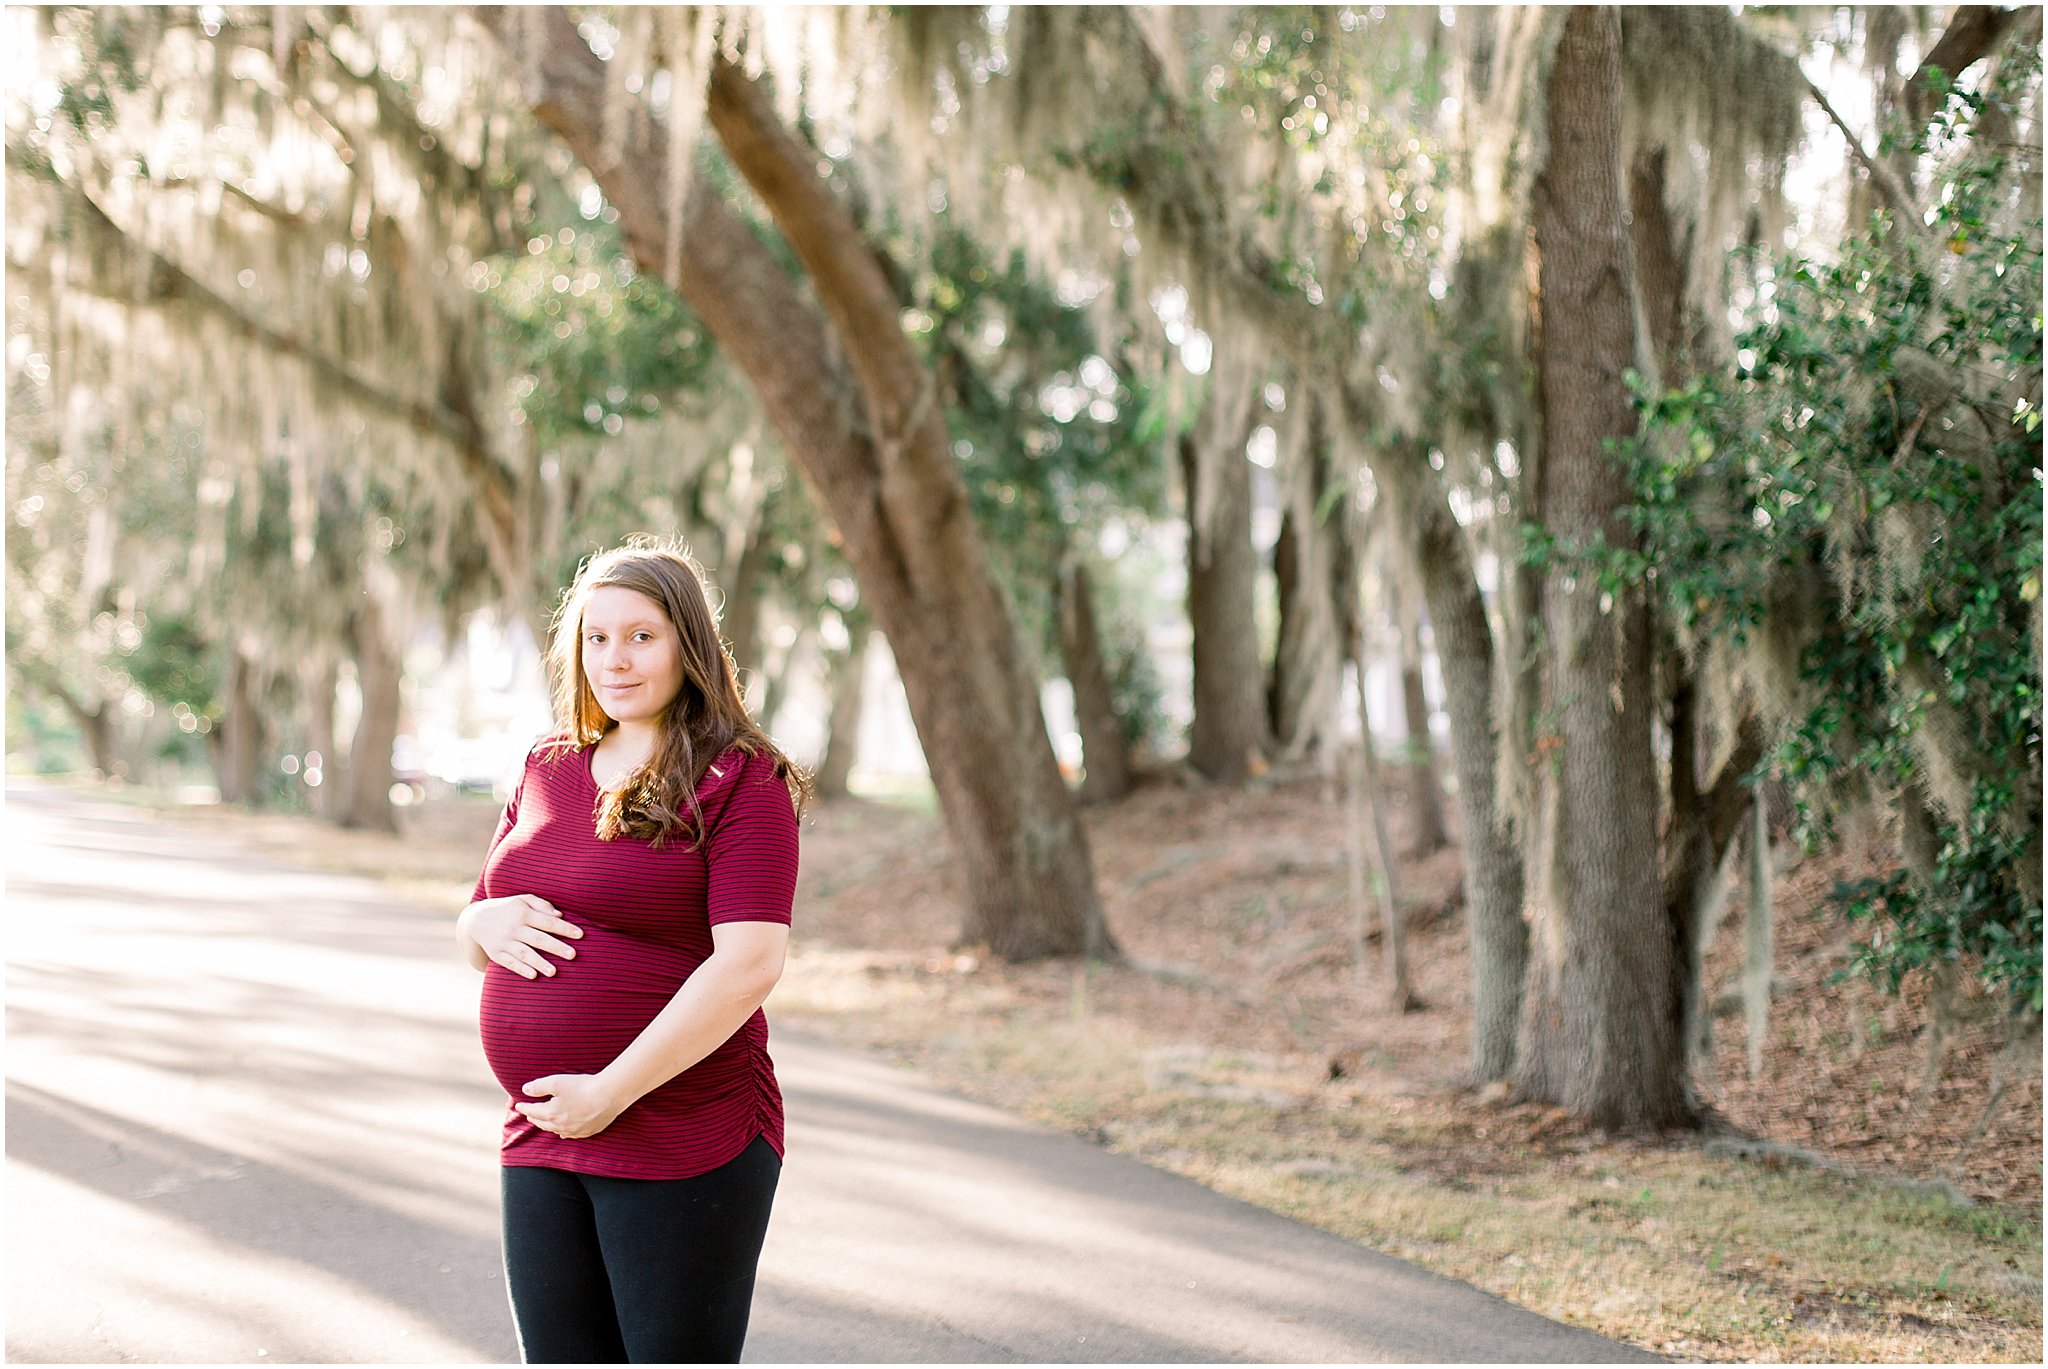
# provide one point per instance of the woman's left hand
(577, 1105)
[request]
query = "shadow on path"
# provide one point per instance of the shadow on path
(425, 1269)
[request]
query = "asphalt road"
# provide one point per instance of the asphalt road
(248, 1122)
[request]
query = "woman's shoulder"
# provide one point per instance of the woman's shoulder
(750, 800)
(738, 770)
(729, 767)
(553, 749)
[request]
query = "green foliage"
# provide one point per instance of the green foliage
(177, 666)
(78, 511)
(1052, 438)
(600, 342)
(41, 739)
(1347, 96)
(1834, 479)
(1135, 691)
(87, 104)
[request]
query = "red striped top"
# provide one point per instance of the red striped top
(646, 917)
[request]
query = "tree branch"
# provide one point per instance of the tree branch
(1973, 33)
(276, 213)
(424, 147)
(729, 279)
(1904, 211)
(166, 282)
(855, 290)
(271, 83)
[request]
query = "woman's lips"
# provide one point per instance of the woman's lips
(620, 688)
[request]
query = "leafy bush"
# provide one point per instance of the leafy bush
(1866, 486)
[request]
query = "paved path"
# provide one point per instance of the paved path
(247, 1121)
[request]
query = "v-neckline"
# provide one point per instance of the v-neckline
(590, 771)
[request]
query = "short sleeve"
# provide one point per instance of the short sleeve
(751, 854)
(506, 822)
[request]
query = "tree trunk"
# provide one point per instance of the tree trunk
(842, 737)
(1756, 940)
(1104, 752)
(1426, 831)
(1228, 736)
(1307, 657)
(1365, 784)
(775, 683)
(239, 756)
(740, 622)
(380, 675)
(1660, 265)
(95, 725)
(1920, 848)
(860, 414)
(323, 759)
(1599, 1032)
(97, 729)
(1494, 928)
(1699, 838)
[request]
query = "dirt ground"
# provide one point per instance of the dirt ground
(1240, 903)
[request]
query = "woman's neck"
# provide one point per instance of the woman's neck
(632, 741)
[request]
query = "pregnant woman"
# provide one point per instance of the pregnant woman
(632, 916)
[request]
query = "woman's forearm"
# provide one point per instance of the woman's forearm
(713, 1003)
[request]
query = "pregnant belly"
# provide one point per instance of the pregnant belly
(579, 1019)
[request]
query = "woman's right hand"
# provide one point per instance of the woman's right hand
(518, 932)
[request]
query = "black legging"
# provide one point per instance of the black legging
(640, 1271)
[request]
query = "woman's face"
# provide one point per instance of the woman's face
(632, 655)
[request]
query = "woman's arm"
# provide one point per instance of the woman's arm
(515, 929)
(714, 1002)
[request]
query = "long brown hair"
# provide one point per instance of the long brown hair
(708, 715)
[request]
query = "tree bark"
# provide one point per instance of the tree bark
(1307, 656)
(1365, 784)
(1426, 831)
(318, 681)
(238, 755)
(1228, 736)
(1599, 1034)
(1704, 826)
(1756, 938)
(860, 414)
(741, 621)
(1105, 754)
(1494, 926)
(95, 724)
(96, 729)
(842, 737)
(775, 683)
(1660, 265)
(1973, 33)
(379, 673)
